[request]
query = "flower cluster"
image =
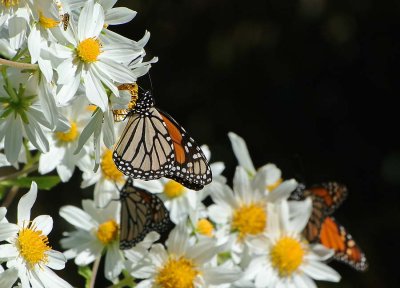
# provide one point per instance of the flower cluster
(62, 70)
(63, 73)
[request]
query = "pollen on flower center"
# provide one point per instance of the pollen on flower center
(33, 245)
(272, 186)
(287, 255)
(88, 50)
(108, 168)
(9, 3)
(70, 135)
(205, 227)
(107, 232)
(47, 22)
(177, 273)
(249, 219)
(174, 189)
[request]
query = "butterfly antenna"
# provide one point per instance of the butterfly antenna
(151, 82)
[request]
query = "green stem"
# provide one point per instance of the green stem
(18, 65)
(10, 196)
(95, 268)
(26, 170)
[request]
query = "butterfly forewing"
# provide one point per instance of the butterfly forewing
(145, 150)
(154, 145)
(141, 212)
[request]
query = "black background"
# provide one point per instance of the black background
(311, 85)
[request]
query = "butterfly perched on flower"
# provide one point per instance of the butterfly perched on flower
(141, 213)
(323, 228)
(154, 145)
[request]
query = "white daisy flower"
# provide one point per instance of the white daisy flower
(28, 248)
(242, 212)
(96, 231)
(63, 144)
(283, 258)
(88, 59)
(184, 264)
(22, 115)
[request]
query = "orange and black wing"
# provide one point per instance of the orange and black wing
(331, 193)
(141, 213)
(191, 167)
(335, 236)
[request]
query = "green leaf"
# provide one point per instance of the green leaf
(43, 182)
(86, 273)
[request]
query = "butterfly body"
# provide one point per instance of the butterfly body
(141, 213)
(154, 145)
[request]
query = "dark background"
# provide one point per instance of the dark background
(310, 85)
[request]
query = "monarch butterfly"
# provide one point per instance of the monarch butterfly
(154, 145)
(141, 212)
(324, 229)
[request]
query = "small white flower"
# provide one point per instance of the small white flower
(96, 63)
(97, 230)
(63, 143)
(184, 264)
(23, 116)
(28, 249)
(283, 258)
(242, 212)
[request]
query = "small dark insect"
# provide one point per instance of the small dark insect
(65, 20)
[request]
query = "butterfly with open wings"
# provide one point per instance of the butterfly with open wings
(154, 145)
(323, 228)
(141, 213)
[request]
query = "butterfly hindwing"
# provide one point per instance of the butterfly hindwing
(191, 166)
(141, 212)
(335, 236)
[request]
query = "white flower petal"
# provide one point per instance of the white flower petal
(114, 262)
(91, 21)
(8, 230)
(300, 212)
(119, 15)
(321, 271)
(8, 251)
(77, 217)
(94, 90)
(56, 260)
(241, 185)
(283, 191)
(242, 154)
(13, 139)
(50, 279)
(25, 205)
(8, 278)
(43, 223)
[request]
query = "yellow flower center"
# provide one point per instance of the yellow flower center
(287, 255)
(249, 219)
(88, 50)
(107, 232)
(47, 22)
(9, 3)
(70, 135)
(173, 189)
(108, 168)
(205, 227)
(177, 273)
(272, 186)
(33, 245)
